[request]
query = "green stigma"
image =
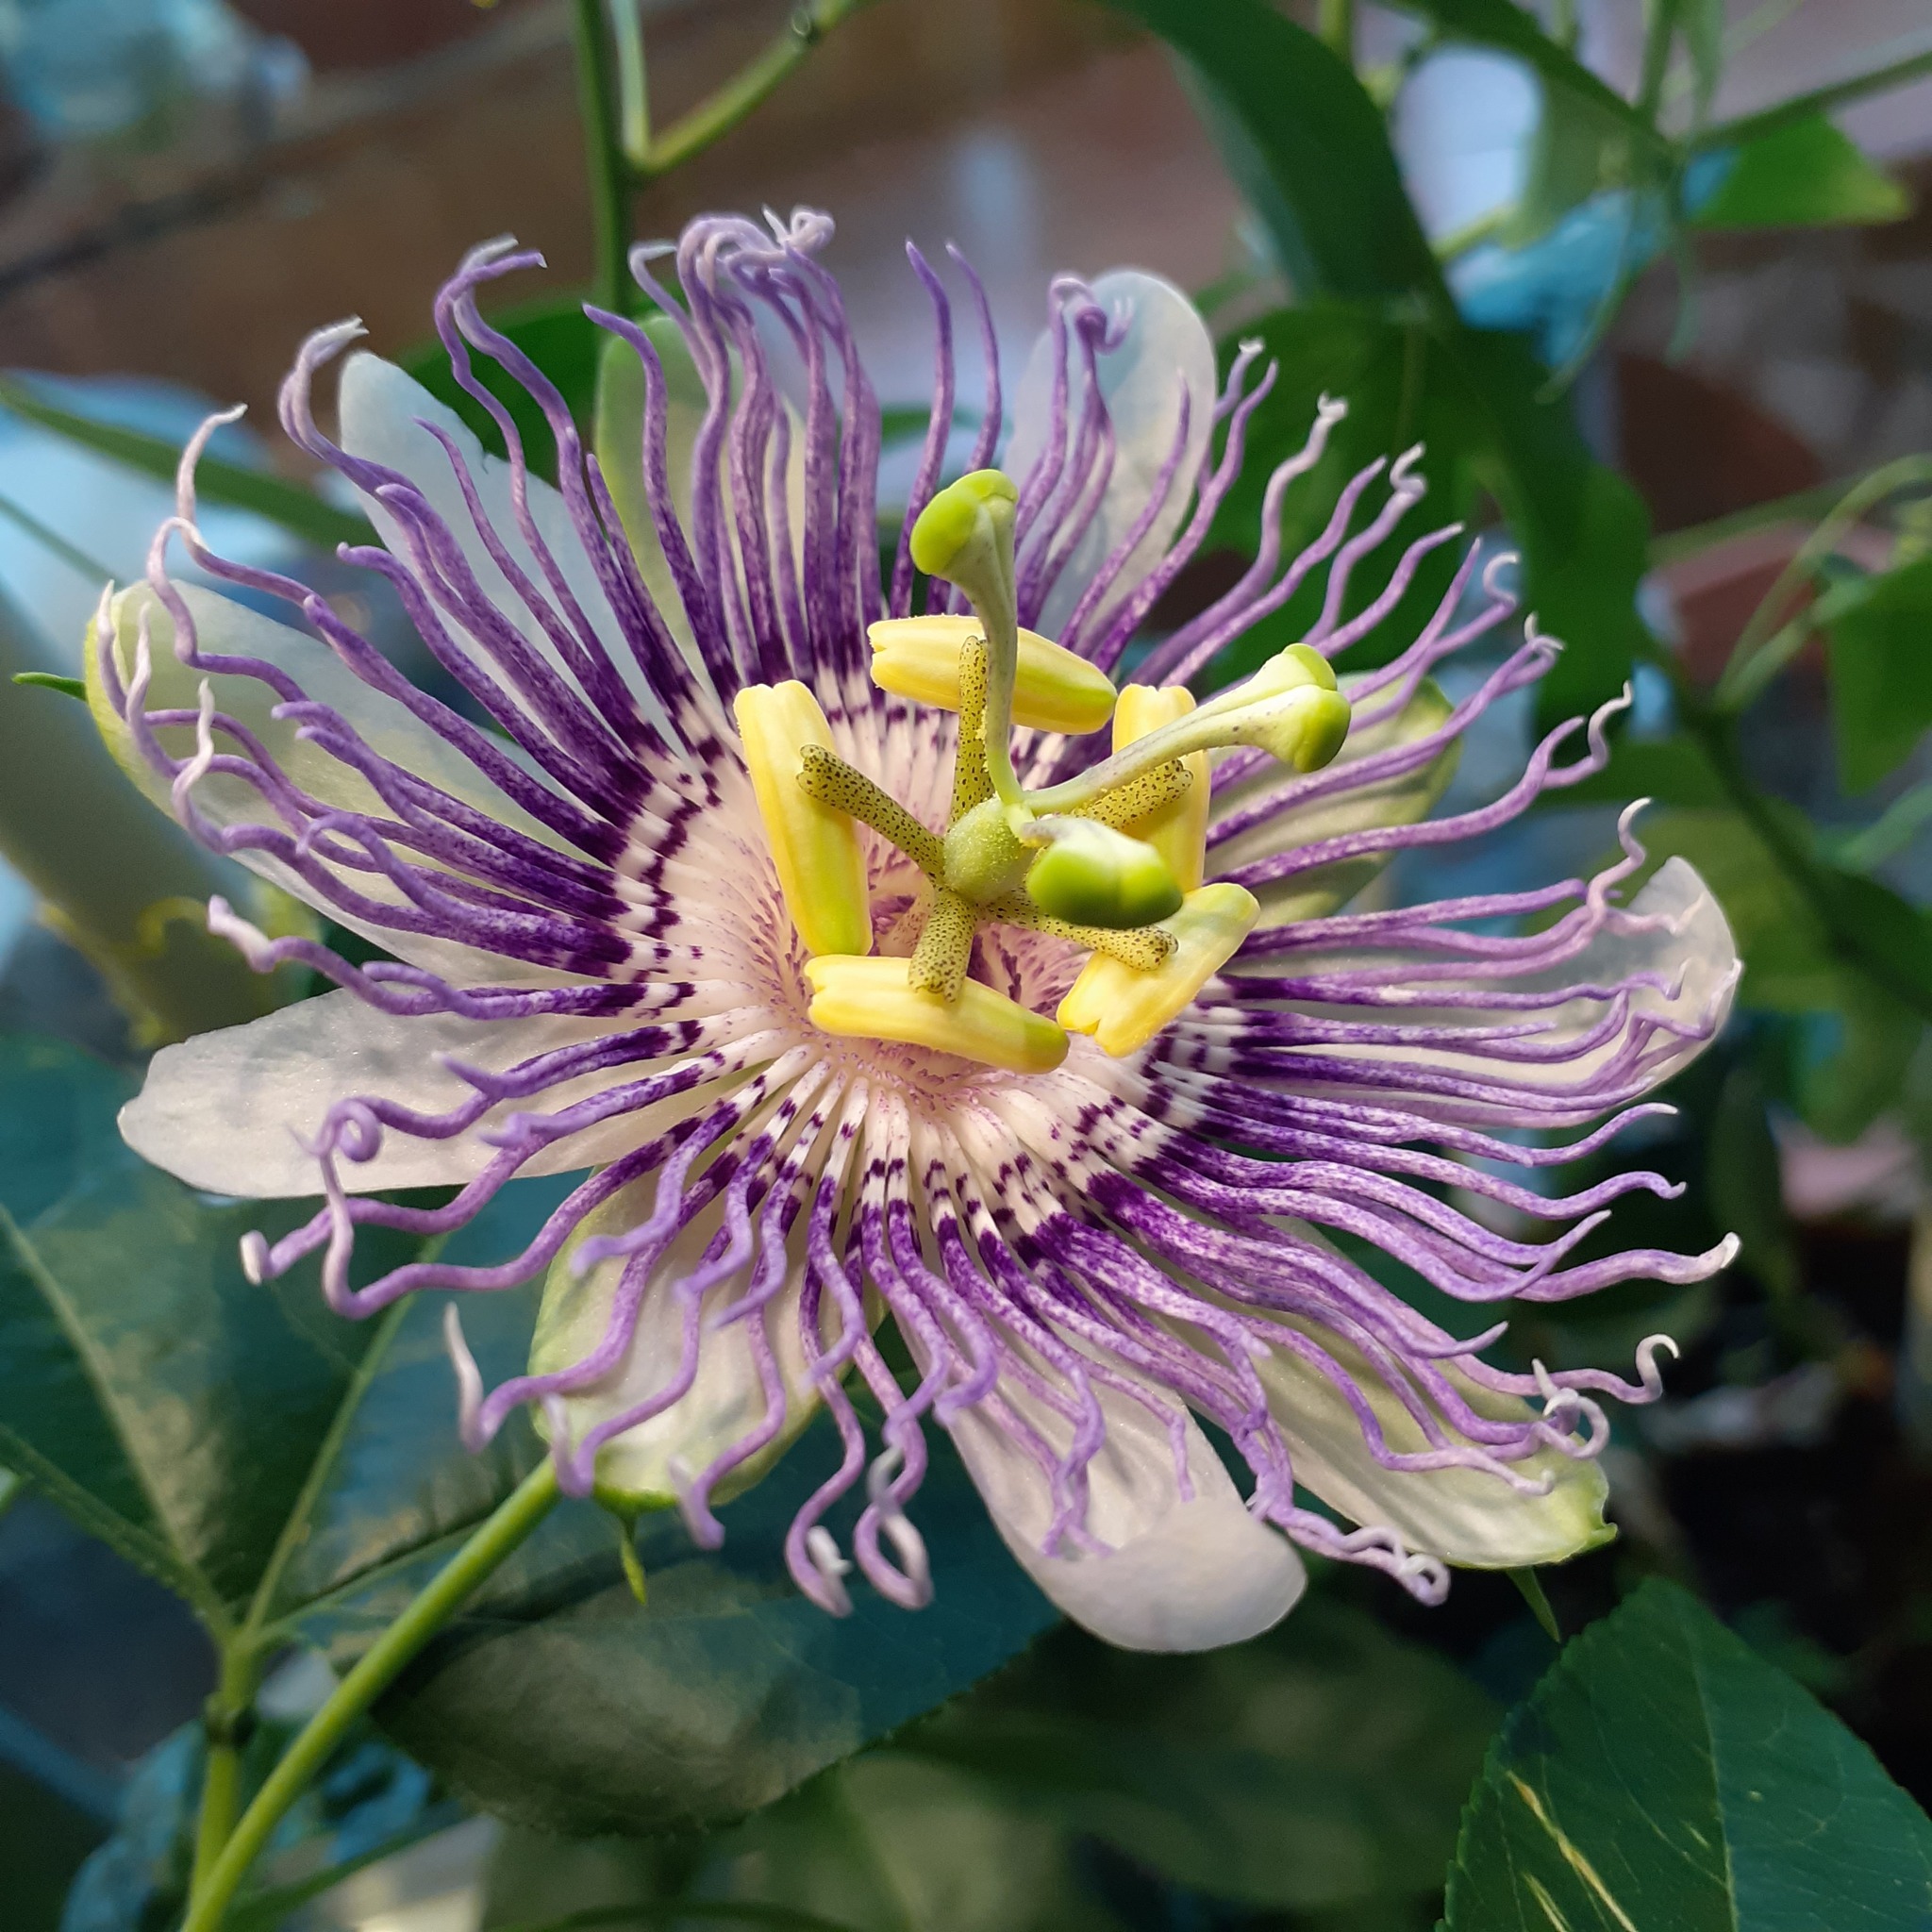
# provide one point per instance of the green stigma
(961, 515)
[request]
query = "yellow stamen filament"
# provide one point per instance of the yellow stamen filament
(1177, 830)
(1123, 1008)
(814, 845)
(875, 999)
(919, 657)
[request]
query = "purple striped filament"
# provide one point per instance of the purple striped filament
(593, 973)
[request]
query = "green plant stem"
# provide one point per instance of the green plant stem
(1336, 26)
(604, 162)
(1821, 100)
(231, 1709)
(1660, 31)
(1675, 546)
(379, 1667)
(718, 116)
(1759, 655)
(633, 80)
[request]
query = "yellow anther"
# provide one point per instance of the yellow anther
(1123, 1008)
(918, 658)
(1178, 830)
(873, 999)
(814, 845)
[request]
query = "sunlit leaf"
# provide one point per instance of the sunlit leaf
(1804, 174)
(1309, 149)
(1663, 1774)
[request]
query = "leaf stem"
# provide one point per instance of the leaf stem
(1759, 655)
(230, 1711)
(604, 164)
(1659, 35)
(494, 1541)
(633, 80)
(1336, 26)
(708, 121)
(1821, 100)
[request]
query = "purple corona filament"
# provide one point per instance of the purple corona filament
(594, 973)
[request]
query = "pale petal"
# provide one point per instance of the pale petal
(226, 628)
(383, 416)
(1167, 348)
(1691, 952)
(653, 1463)
(1467, 1516)
(1181, 1576)
(228, 1111)
(1399, 800)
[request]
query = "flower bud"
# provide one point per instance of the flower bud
(875, 999)
(1093, 875)
(918, 658)
(814, 845)
(1124, 1007)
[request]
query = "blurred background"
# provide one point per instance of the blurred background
(187, 186)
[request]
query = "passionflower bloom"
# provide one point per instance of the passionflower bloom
(803, 901)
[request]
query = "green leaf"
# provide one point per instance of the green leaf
(563, 343)
(1663, 1775)
(52, 680)
(1313, 1768)
(1805, 173)
(232, 1440)
(1309, 148)
(400, 1485)
(1668, 770)
(1316, 1768)
(1472, 399)
(557, 1701)
(1880, 633)
(298, 511)
(1584, 531)
(170, 1406)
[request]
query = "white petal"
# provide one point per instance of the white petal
(228, 1111)
(226, 628)
(1167, 348)
(652, 1463)
(1689, 950)
(1181, 1576)
(383, 412)
(1400, 801)
(1466, 1516)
